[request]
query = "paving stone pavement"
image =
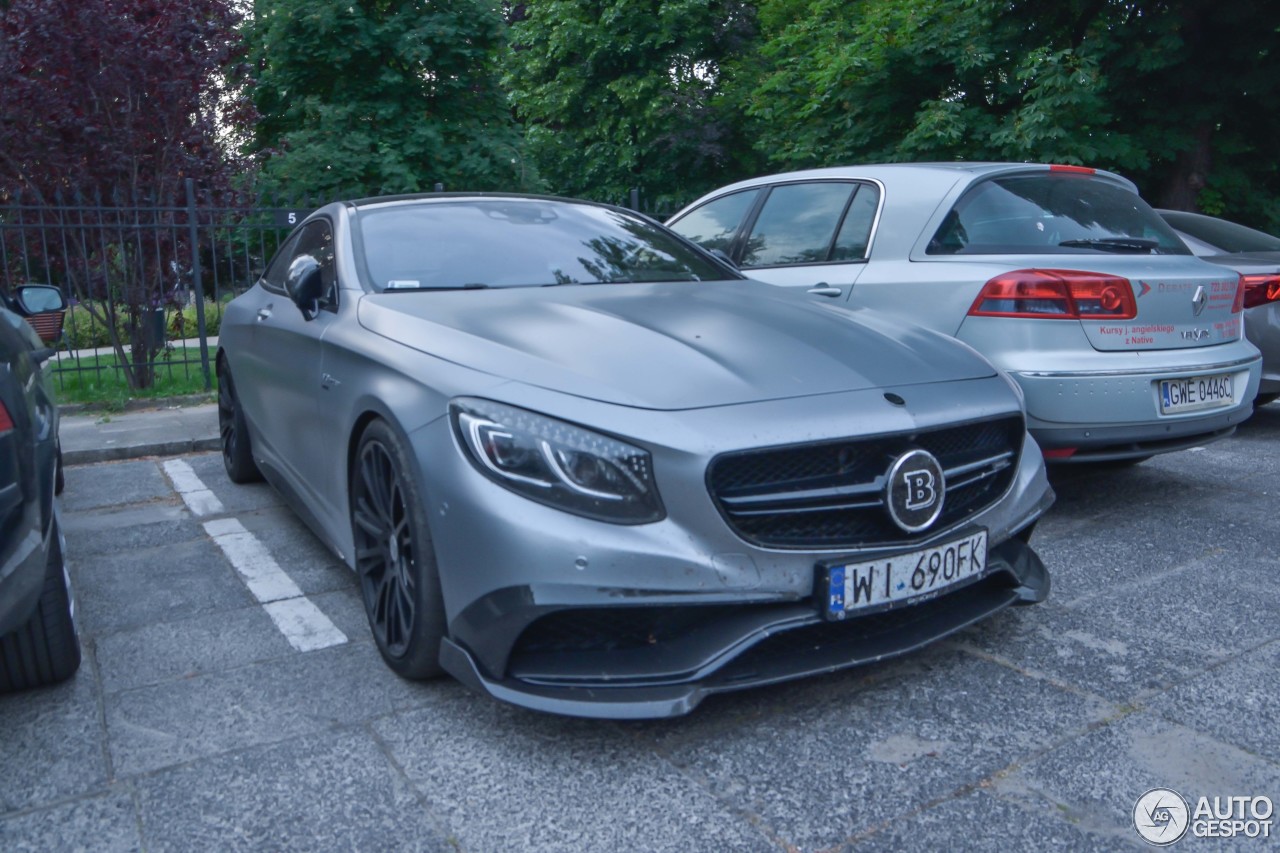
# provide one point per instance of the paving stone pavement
(194, 723)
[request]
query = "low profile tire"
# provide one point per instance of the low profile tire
(237, 456)
(395, 561)
(46, 649)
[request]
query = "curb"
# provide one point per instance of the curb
(91, 456)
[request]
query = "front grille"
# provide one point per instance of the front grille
(830, 494)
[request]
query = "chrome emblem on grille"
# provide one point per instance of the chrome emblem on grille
(914, 490)
(1200, 300)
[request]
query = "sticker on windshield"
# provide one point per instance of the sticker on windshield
(402, 284)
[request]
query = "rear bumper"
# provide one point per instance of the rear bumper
(22, 573)
(1115, 414)
(727, 647)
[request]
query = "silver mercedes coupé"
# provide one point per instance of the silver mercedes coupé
(585, 467)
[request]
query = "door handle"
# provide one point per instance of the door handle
(824, 289)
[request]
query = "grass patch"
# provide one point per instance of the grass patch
(100, 381)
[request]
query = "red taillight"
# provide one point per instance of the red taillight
(1056, 295)
(1079, 170)
(1257, 290)
(6, 422)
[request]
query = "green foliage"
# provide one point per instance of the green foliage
(82, 330)
(381, 96)
(100, 380)
(1176, 95)
(618, 94)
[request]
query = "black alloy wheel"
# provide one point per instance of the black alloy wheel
(237, 457)
(394, 558)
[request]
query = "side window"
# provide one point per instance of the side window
(315, 239)
(797, 224)
(273, 278)
(714, 225)
(855, 233)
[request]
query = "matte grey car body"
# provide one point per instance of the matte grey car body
(1256, 256)
(1111, 361)
(625, 483)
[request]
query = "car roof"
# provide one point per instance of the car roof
(407, 198)
(898, 173)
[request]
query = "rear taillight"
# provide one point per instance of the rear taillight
(1056, 295)
(6, 421)
(1257, 290)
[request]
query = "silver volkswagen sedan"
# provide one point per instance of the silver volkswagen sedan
(1124, 343)
(585, 467)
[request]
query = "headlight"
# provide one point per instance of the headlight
(557, 463)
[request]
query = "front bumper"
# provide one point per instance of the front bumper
(566, 614)
(717, 649)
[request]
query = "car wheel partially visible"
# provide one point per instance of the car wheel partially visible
(395, 561)
(236, 454)
(46, 649)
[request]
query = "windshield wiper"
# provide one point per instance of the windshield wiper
(1113, 244)
(471, 285)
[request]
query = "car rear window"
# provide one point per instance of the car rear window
(1052, 213)
(1227, 237)
(472, 243)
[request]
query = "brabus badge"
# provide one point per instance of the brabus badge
(1199, 301)
(915, 490)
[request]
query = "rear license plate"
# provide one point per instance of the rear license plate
(854, 587)
(1196, 393)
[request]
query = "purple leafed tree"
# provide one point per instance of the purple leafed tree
(107, 107)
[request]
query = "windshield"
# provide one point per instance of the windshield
(514, 242)
(1227, 237)
(1053, 213)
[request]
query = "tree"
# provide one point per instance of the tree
(112, 105)
(616, 94)
(381, 96)
(1177, 94)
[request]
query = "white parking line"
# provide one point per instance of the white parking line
(261, 573)
(195, 494)
(302, 623)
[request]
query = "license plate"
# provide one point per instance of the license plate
(854, 587)
(1196, 393)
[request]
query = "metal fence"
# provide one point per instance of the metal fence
(144, 279)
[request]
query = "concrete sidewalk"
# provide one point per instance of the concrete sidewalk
(161, 431)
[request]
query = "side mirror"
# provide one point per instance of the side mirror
(39, 299)
(44, 307)
(305, 284)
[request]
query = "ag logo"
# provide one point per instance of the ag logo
(1161, 816)
(914, 490)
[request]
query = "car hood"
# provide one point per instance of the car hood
(669, 346)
